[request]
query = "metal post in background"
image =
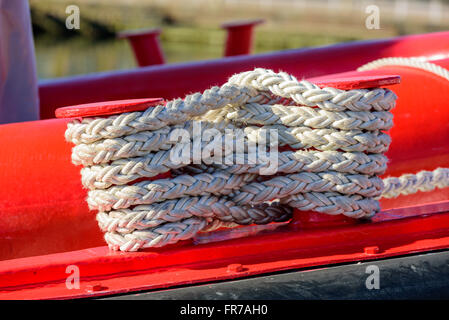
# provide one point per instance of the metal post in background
(239, 38)
(146, 46)
(19, 99)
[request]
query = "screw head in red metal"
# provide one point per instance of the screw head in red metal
(235, 267)
(371, 250)
(95, 287)
(107, 108)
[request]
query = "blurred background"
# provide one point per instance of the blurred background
(191, 28)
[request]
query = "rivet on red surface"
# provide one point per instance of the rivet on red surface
(235, 267)
(371, 250)
(95, 287)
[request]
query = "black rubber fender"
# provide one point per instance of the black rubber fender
(421, 276)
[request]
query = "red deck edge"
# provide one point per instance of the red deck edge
(103, 272)
(107, 108)
(360, 82)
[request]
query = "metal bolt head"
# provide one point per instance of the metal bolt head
(95, 288)
(371, 250)
(235, 267)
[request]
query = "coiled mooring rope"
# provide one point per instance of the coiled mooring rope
(423, 180)
(338, 140)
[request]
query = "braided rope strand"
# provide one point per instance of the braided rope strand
(413, 62)
(339, 141)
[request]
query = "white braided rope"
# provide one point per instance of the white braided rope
(423, 180)
(412, 62)
(339, 133)
(412, 183)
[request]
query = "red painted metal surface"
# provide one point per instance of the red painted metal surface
(107, 108)
(104, 272)
(239, 38)
(42, 202)
(176, 80)
(146, 46)
(43, 211)
(40, 181)
(356, 81)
